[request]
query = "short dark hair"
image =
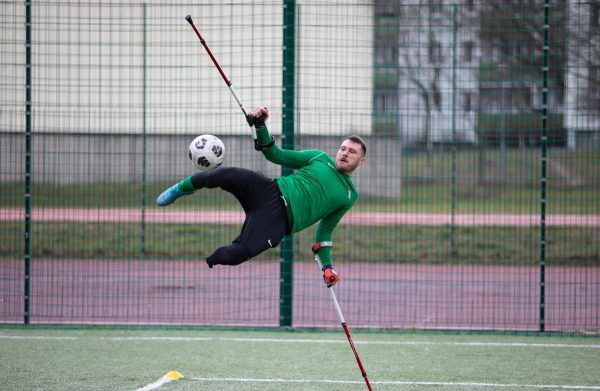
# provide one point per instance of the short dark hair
(357, 139)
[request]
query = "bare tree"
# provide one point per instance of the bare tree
(516, 29)
(422, 68)
(583, 51)
(432, 33)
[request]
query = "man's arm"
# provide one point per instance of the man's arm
(285, 157)
(265, 143)
(325, 233)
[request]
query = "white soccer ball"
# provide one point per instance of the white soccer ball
(207, 152)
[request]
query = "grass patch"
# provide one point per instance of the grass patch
(439, 197)
(127, 359)
(413, 244)
(467, 181)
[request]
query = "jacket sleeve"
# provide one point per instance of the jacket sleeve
(325, 233)
(284, 157)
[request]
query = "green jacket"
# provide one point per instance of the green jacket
(317, 192)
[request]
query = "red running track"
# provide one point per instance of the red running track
(385, 296)
(154, 215)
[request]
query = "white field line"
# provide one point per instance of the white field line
(169, 377)
(153, 386)
(164, 379)
(390, 343)
(419, 383)
(313, 341)
(41, 337)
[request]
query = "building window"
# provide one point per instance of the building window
(506, 100)
(470, 5)
(386, 55)
(386, 102)
(467, 101)
(521, 100)
(436, 5)
(386, 7)
(595, 14)
(594, 81)
(468, 51)
(435, 52)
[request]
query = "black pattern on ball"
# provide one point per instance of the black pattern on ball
(217, 150)
(202, 161)
(201, 143)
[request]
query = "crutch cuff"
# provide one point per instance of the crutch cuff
(262, 147)
(317, 246)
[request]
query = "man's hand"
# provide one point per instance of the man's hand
(330, 276)
(258, 117)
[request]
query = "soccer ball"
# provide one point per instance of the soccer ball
(206, 152)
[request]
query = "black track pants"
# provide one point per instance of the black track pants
(266, 216)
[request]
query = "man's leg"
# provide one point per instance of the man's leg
(246, 185)
(252, 189)
(172, 193)
(266, 215)
(263, 228)
(252, 241)
(231, 255)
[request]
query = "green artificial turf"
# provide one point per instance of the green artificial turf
(54, 358)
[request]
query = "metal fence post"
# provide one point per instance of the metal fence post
(27, 194)
(288, 111)
(543, 173)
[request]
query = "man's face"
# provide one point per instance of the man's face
(349, 157)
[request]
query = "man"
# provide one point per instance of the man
(321, 190)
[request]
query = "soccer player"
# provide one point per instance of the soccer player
(321, 190)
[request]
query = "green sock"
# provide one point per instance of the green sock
(186, 185)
